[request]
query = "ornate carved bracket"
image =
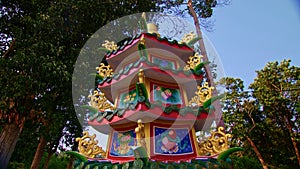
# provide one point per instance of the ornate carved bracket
(87, 145)
(203, 94)
(216, 143)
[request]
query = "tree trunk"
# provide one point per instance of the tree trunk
(289, 126)
(296, 149)
(260, 158)
(46, 164)
(201, 42)
(8, 139)
(38, 154)
(209, 75)
(70, 164)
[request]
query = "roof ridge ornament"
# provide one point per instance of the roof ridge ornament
(87, 145)
(203, 94)
(188, 37)
(99, 101)
(216, 143)
(110, 45)
(193, 61)
(104, 70)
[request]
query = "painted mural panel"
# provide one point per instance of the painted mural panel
(163, 63)
(127, 98)
(172, 141)
(121, 143)
(167, 95)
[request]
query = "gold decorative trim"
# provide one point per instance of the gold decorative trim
(140, 134)
(216, 143)
(193, 61)
(187, 37)
(87, 145)
(110, 45)
(99, 101)
(203, 94)
(141, 76)
(104, 70)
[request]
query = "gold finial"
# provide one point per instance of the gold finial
(152, 28)
(104, 71)
(193, 61)
(110, 45)
(141, 76)
(144, 15)
(216, 143)
(203, 94)
(187, 37)
(99, 101)
(87, 145)
(140, 134)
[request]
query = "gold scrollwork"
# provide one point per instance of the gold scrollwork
(216, 143)
(193, 61)
(187, 37)
(110, 45)
(99, 101)
(87, 145)
(104, 70)
(203, 94)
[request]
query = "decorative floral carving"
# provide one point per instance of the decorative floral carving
(193, 61)
(216, 143)
(203, 94)
(104, 70)
(87, 145)
(110, 45)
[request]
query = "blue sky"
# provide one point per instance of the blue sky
(248, 34)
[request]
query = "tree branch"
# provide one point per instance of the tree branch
(10, 49)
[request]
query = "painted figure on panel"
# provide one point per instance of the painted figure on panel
(122, 143)
(172, 141)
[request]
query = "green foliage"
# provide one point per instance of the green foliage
(269, 111)
(40, 42)
(245, 162)
(225, 154)
(77, 155)
(16, 165)
(57, 161)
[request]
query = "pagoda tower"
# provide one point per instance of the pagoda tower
(151, 98)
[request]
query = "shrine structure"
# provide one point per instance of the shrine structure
(151, 99)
